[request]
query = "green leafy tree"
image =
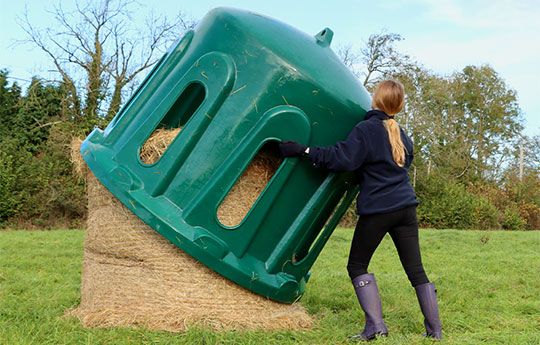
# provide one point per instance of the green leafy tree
(10, 96)
(490, 117)
(462, 124)
(40, 109)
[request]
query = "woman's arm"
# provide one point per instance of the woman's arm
(346, 155)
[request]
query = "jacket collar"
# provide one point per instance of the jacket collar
(379, 114)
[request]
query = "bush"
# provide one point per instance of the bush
(40, 190)
(9, 201)
(512, 220)
(485, 214)
(531, 214)
(516, 203)
(448, 204)
(13, 163)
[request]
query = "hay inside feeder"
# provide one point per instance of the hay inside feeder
(157, 143)
(245, 191)
(132, 276)
(249, 186)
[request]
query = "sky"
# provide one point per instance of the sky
(443, 35)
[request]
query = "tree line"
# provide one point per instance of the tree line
(474, 168)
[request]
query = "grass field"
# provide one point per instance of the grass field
(488, 282)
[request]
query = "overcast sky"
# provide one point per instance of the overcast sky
(444, 35)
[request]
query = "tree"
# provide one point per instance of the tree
(424, 114)
(10, 96)
(381, 58)
(40, 109)
(464, 124)
(98, 52)
(490, 117)
(523, 171)
(350, 59)
(378, 59)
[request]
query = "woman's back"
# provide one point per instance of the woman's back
(384, 185)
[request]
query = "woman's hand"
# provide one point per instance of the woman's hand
(291, 149)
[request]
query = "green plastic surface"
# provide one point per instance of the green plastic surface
(236, 82)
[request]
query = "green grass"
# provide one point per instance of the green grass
(488, 283)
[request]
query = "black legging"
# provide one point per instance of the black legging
(403, 228)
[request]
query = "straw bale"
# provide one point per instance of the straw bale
(79, 166)
(134, 277)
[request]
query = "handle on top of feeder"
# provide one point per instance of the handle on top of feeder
(324, 38)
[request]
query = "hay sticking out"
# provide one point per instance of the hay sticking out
(247, 189)
(158, 142)
(134, 277)
(79, 166)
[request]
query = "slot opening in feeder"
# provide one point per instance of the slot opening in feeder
(174, 120)
(248, 188)
(316, 232)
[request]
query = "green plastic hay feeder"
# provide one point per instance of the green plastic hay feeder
(237, 82)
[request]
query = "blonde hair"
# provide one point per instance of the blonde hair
(389, 96)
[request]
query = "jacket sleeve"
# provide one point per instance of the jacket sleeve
(347, 155)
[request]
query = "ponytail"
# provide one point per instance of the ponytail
(389, 96)
(394, 135)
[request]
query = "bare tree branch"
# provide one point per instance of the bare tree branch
(98, 51)
(158, 31)
(380, 57)
(350, 58)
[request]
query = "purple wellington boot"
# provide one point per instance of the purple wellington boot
(367, 292)
(427, 297)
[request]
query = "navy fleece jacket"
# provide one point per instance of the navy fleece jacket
(384, 186)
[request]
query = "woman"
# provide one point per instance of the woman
(380, 153)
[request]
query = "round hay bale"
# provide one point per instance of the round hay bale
(79, 166)
(132, 276)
